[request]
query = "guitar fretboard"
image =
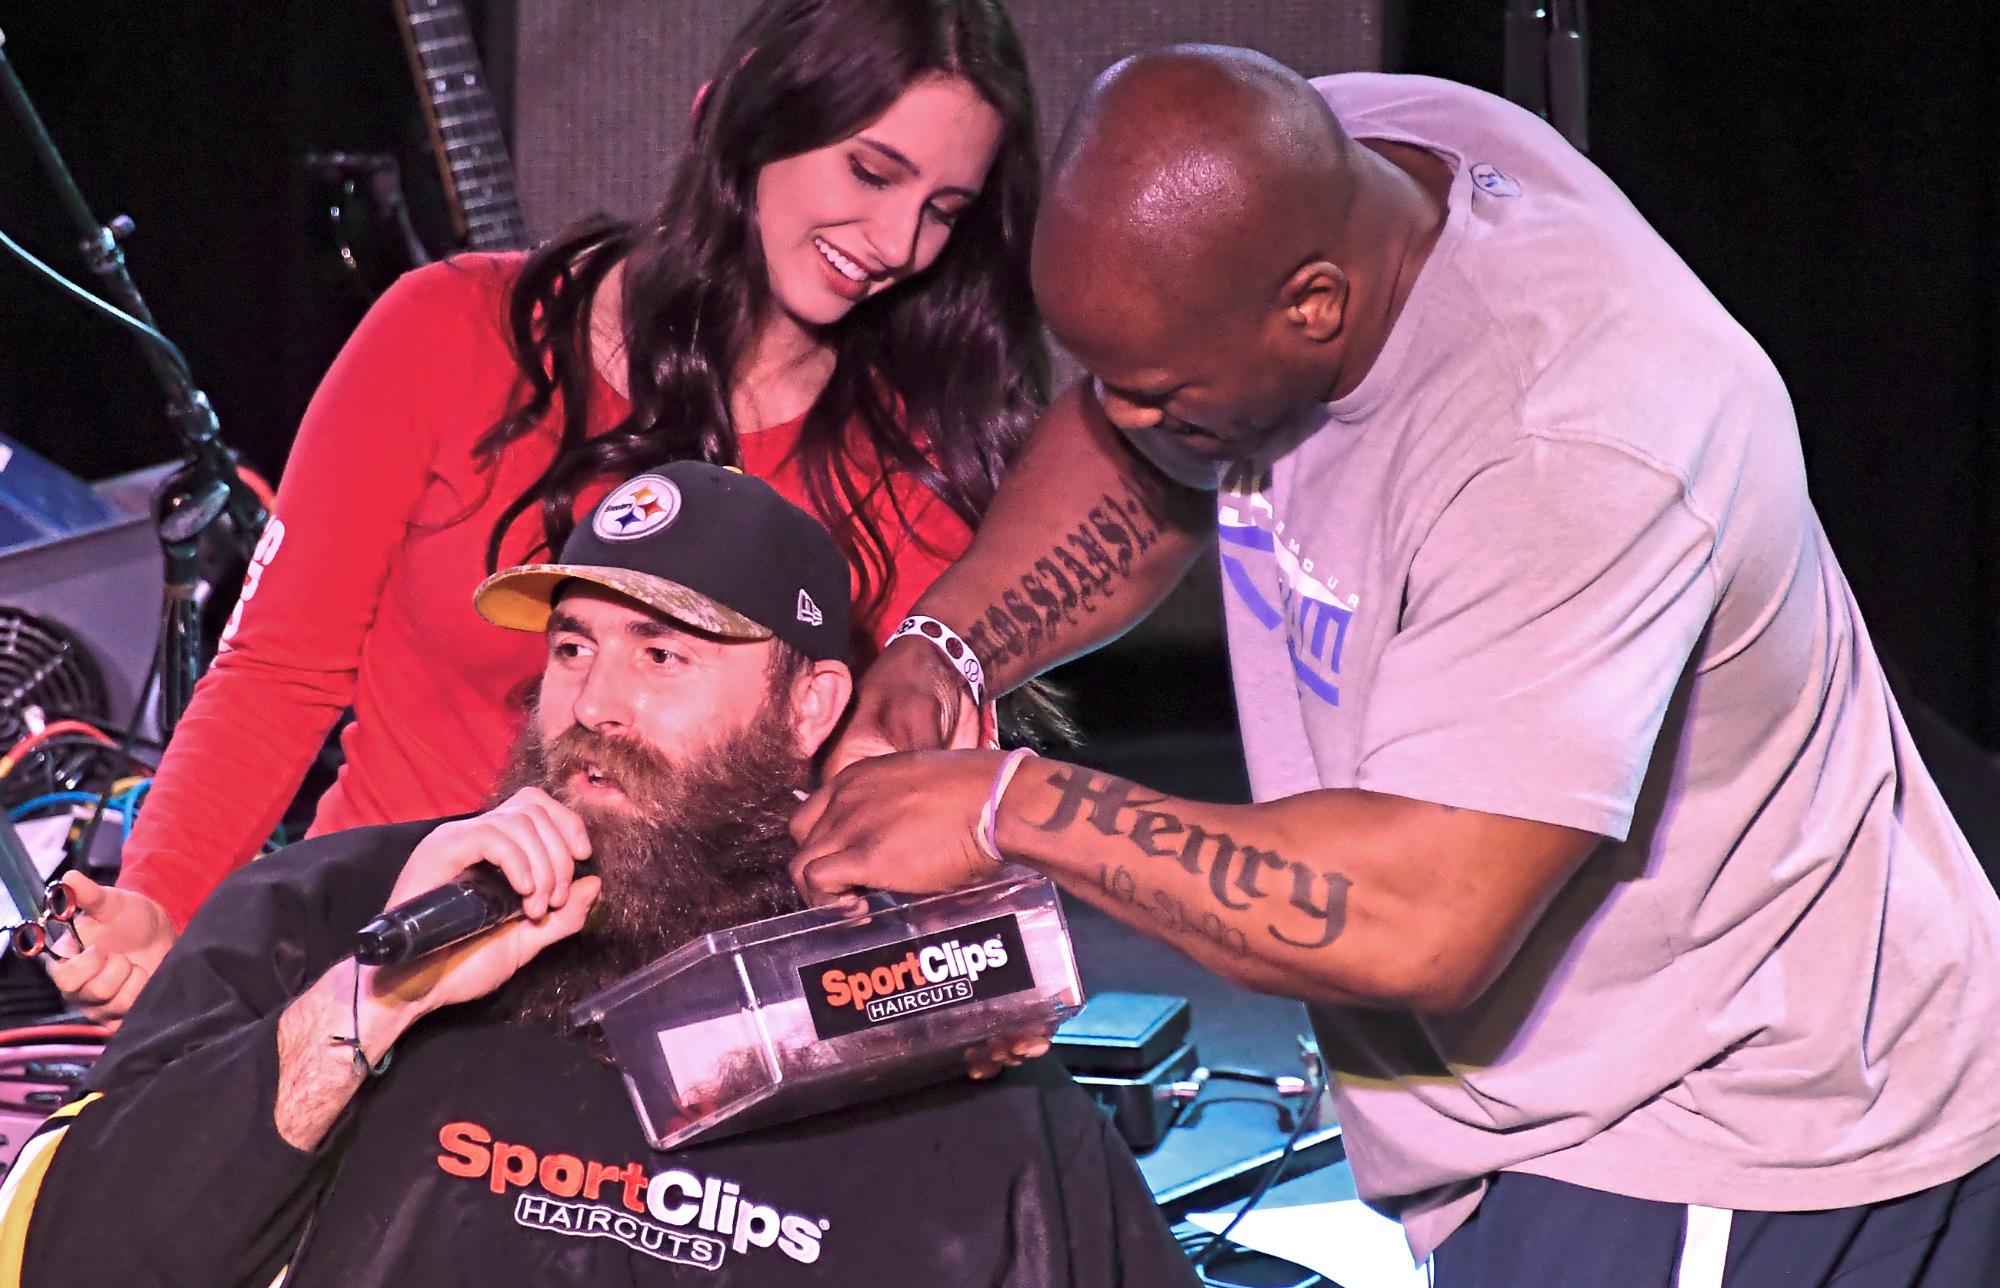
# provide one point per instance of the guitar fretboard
(472, 150)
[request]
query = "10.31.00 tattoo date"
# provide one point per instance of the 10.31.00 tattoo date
(1118, 883)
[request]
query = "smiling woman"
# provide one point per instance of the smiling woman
(833, 296)
(840, 224)
(848, 147)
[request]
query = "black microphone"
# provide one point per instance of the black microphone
(477, 900)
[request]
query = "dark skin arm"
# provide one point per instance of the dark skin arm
(1334, 897)
(1340, 897)
(1084, 540)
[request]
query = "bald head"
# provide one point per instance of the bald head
(1204, 172)
(1219, 255)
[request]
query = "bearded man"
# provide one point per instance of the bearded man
(272, 1108)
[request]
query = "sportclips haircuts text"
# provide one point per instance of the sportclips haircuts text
(947, 968)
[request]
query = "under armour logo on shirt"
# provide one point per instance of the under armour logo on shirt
(1490, 180)
(808, 611)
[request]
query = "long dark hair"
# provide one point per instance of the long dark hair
(940, 376)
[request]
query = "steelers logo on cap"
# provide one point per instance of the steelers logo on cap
(638, 507)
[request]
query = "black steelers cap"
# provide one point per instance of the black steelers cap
(711, 547)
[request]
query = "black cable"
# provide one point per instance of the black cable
(1195, 1109)
(1313, 1279)
(1231, 1073)
(150, 334)
(69, 764)
(105, 727)
(79, 849)
(75, 742)
(1270, 1177)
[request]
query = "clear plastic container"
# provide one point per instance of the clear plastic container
(815, 1010)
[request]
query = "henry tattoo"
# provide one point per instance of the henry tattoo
(1237, 873)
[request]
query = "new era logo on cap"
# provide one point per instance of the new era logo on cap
(808, 611)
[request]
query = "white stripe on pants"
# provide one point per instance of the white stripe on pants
(1704, 1247)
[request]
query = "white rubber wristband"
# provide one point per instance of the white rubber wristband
(989, 817)
(956, 651)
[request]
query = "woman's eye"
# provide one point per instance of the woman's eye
(866, 175)
(948, 218)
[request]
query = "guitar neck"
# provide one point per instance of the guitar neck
(465, 129)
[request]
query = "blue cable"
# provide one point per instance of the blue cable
(127, 805)
(52, 798)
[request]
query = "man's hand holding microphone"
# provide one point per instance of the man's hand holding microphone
(535, 842)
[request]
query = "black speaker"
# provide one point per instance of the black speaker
(602, 88)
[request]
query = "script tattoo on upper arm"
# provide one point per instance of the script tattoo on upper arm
(1078, 573)
(1237, 873)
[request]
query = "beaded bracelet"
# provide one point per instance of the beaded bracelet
(947, 641)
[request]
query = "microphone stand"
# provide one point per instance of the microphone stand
(207, 495)
(1546, 64)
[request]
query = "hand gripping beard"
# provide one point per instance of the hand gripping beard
(703, 846)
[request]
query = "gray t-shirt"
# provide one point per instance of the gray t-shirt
(1555, 560)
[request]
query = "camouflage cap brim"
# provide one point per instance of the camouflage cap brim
(520, 598)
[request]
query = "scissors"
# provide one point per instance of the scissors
(40, 904)
(34, 937)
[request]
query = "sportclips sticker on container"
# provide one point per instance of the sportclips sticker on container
(948, 968)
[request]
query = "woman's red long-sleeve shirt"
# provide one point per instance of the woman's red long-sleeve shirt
(361, 593)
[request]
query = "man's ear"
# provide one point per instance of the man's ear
(1314, 299)
(819, 700)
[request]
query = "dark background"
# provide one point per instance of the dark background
(1828, 168)
(194, 118)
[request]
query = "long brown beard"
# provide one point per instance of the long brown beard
(705, 847)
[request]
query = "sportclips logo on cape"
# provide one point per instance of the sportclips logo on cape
(676, 1215)
(948, 968)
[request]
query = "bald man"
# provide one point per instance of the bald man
(1642, 947)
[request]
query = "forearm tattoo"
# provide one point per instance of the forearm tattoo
(1237, 873)
(1077, 574)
